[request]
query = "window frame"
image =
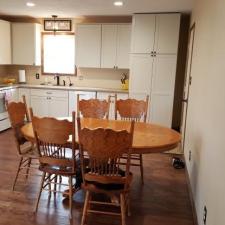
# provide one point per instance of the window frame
(42, 53)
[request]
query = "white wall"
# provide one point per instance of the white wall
(206, 112)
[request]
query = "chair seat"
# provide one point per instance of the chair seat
(58, 170)
(98, 187)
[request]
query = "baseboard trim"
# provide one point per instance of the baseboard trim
(194, 212)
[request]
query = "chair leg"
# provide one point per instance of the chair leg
(123, 209)
(17, 173)
(141, 168)
(70, 195)
(86, 203)
(40, 191)
(55, 184)
(128, 204)
(28, 168)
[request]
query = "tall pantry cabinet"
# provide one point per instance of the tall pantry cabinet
(153, 61)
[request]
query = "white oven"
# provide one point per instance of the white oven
(4, 119)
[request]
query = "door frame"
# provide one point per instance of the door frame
(188, 81)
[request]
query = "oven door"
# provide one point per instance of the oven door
(3, 111)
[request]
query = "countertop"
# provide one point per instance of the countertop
(67, 88)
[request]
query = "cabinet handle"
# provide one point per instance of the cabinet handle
(49, 93)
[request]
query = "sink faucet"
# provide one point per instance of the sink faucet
(57, 79)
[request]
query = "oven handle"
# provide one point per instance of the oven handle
(3, 119)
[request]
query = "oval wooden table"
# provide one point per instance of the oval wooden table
(148, 138)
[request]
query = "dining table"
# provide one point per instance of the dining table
(148, 137)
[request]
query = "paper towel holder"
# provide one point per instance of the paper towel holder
(22, 76)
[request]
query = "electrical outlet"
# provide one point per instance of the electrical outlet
(204, 215)
(37, 76)
(189, 157)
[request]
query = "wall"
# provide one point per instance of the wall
(205, 119)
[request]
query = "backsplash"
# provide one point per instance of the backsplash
(87, 77)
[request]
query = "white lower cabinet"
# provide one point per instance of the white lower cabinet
(52, 103)
(26, 93)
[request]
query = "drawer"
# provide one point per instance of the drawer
(49, 92)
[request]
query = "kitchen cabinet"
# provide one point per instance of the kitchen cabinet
(155, 33)
(26, 44)
(115, 46)
(103, 45)
(153, 62)
(105, 96)
(26, 93)
(5, 42)
(82, 95)
(52, 103)
(88, 46)
(162, 93)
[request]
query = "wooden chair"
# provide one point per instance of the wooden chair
(57, 156)
(132, 109)
(103, 175)
(18, 115)
(93, 108)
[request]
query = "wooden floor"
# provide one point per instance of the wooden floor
(163, 200)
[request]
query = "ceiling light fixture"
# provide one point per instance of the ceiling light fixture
(118, 3)
(30, 4)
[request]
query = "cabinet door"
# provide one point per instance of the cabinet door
(163, 82)
(26, 93)
(88, 46)
(140, 73)
(39, 105)
(167, 33)
(143, 33)
(109, 43)
(26, 44)
(123, 46)
(58, 107)
(5, 43)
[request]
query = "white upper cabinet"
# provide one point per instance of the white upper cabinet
(26, 44)
(5, 42)
(109, 46)
(123, 45)
(167, 33)
(103, 45)
(143, 32)
(88, 46)
(155, 33)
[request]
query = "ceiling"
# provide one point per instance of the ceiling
(73, 8)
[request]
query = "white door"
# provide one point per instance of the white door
(187, 84)
(109, 43)
(88, 46)
(123, 46)
(39, 105)
(143, 33)
(162, 94)
(58, 107)
(140, 73)
(167, 33)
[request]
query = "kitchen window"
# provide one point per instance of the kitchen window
(58, 54)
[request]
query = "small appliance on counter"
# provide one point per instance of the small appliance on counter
(22, 76)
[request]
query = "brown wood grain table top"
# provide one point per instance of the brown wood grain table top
(148, 138)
